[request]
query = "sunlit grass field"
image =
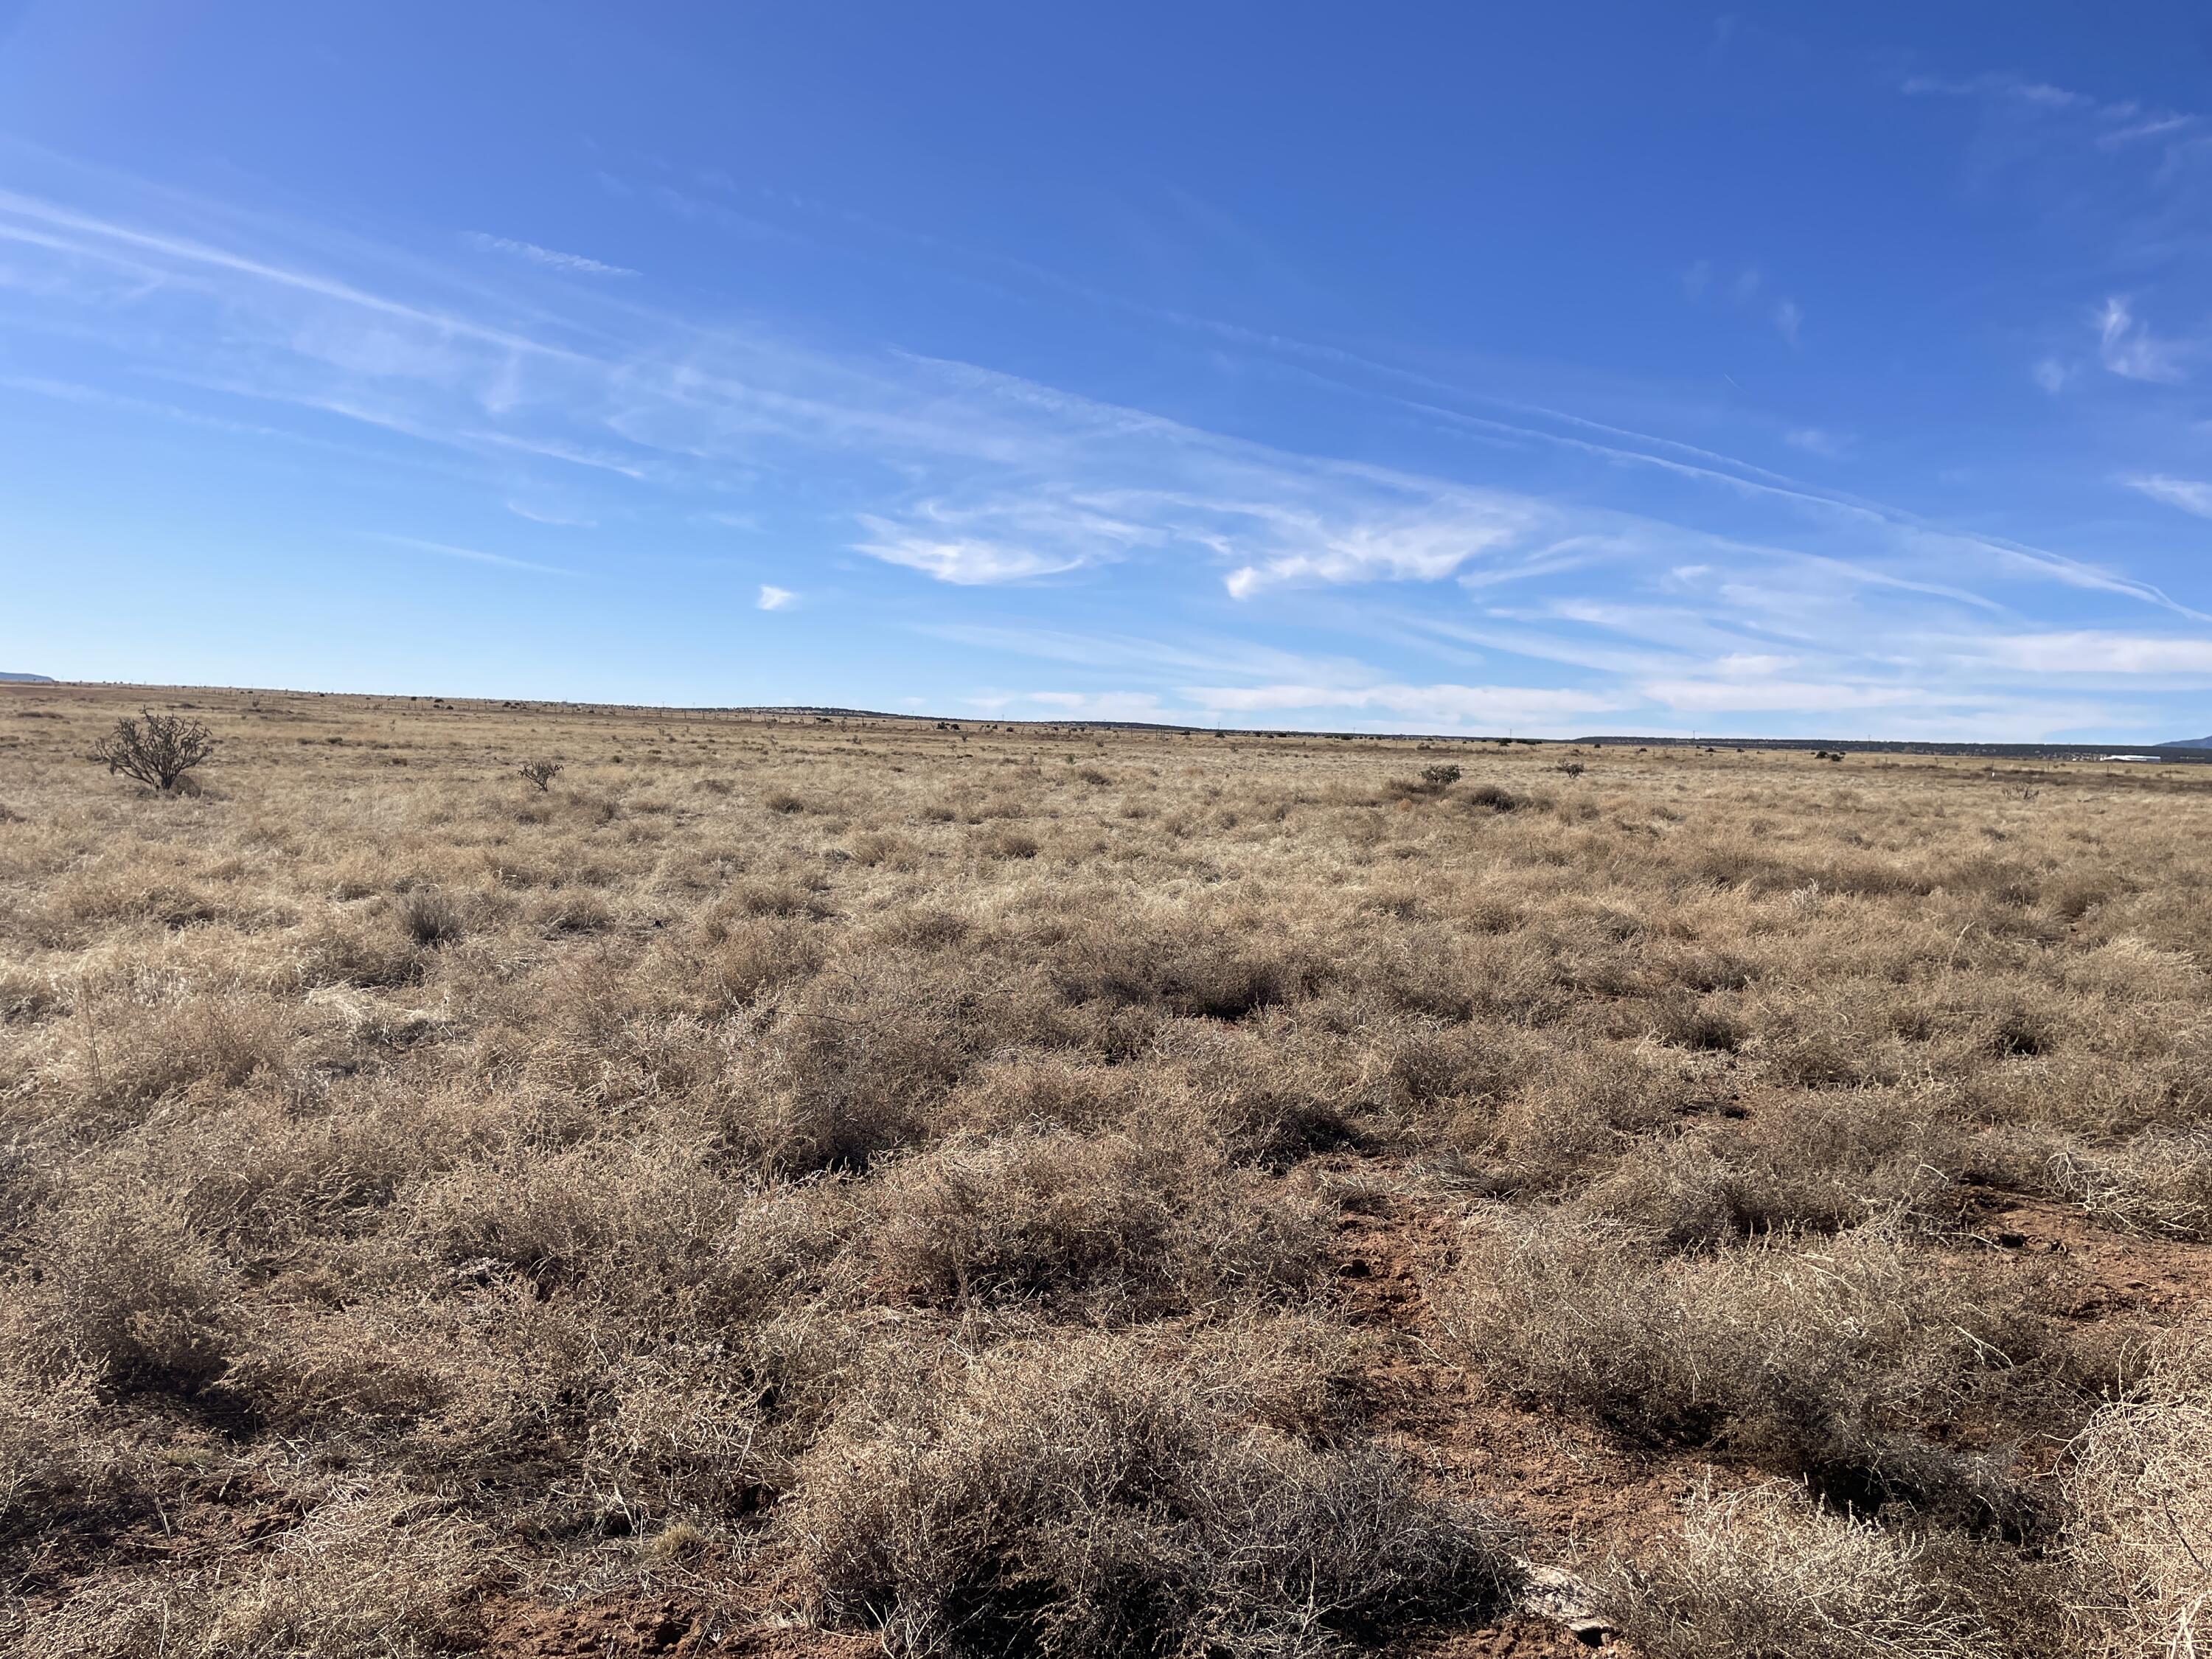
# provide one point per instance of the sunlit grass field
(795, 1184)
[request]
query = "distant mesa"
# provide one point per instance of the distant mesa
(30, 679)
(2187, 743)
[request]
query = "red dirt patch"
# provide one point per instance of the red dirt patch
(618, 1629)
(2110, 1274)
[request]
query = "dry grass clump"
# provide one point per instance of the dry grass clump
(1766, 1573)
(1089, 1502)
(167, 1036)
(1113, 1222)
(371, 1574)
(859, 1064)
(2159, 1180)
(430, 918)
(1191, 967)
(1833, 1360)
(1821, 1162)
(122, 1288)
(2141, 1489)
(1547, 1121)
(49, 1445)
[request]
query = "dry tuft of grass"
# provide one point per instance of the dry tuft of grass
(2141, 1489)
(1764, 1572)
(1834, 1360)
(1096, 1501)
(1114, 1221)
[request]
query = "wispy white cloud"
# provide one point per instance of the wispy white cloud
(2050, 375)
(1105, 705)
(1164, 656)
(2114, 123)
(962, 560)
(541, 515)
(167, 254)
(2190, 494)
(979, 479)
(1755, 693)
(2128, 348)
(471, 554)
(709, 403)
(2109, 122)
(1909, 528)
(552, 258)
(2089, 652)
(1817, 440)
(775, 598)
(2154, 126)
(1422, 546)
(2011, 88)
(1485, 706)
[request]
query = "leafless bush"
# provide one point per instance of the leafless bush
(1828, 1360)
(1119, 1224)
(377, 1575)
(540, 772)
(1765, 1572)
(1433, 781)
(157, 750)
(2141, 1489)
(1092, 1502)
(2160, 1182)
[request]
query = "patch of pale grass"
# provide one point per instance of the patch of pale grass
(1766, 1573)
(2141, 1489)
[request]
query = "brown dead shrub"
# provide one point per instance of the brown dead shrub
(1123, 1226)
(122, 1287)
(1185, 966)
(1766, 1573)
(2142, 1490)
(1055, 1502)
(1829, 1360)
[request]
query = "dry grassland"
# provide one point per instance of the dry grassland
(791, 1186)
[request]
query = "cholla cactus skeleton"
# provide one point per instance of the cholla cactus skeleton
(157, 750)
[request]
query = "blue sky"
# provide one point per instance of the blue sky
(1580, 367)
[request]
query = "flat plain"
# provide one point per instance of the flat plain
(800, 1185)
